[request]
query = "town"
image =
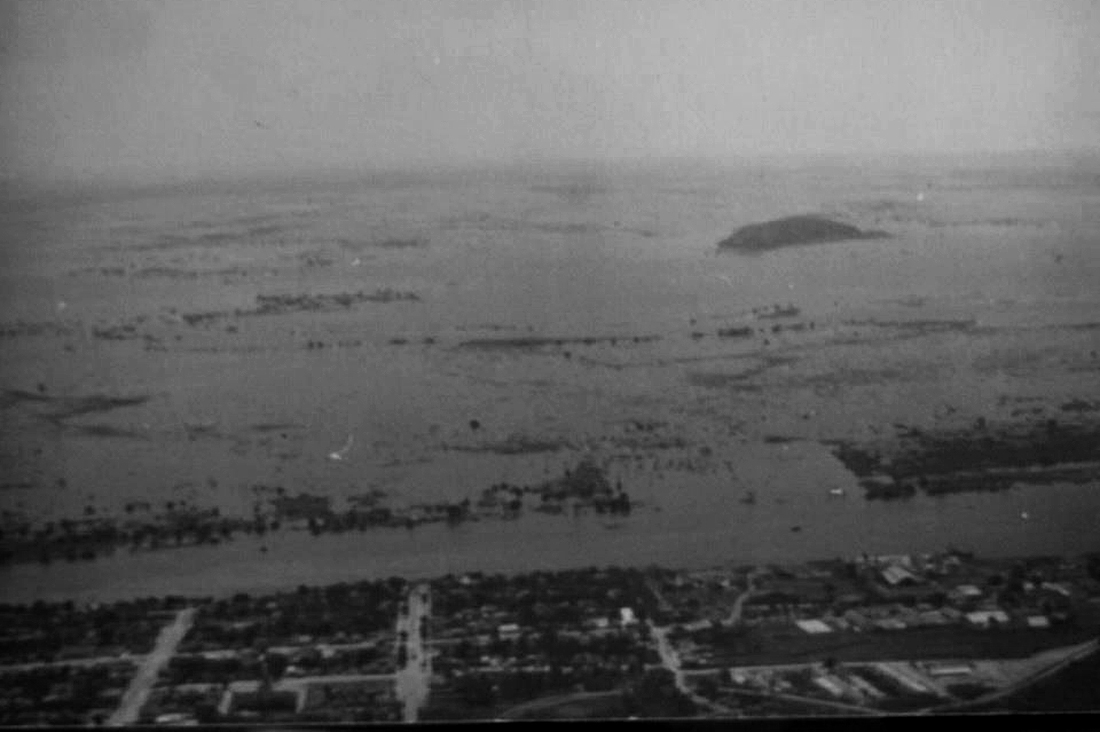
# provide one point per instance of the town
(867, 635)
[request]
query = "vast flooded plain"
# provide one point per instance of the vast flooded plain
(423, 338)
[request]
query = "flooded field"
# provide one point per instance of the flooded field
(425, 338)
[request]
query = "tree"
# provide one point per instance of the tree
(206, 713)
(276, 664)
(708, 687)
(476, 690)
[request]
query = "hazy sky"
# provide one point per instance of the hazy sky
(182, 88)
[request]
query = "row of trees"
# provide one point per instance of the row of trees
(556, 647)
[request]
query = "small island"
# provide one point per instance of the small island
(792, 231)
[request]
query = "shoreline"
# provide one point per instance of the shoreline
(316, 582)
(535, 543)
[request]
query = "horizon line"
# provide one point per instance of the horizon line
(416, 169)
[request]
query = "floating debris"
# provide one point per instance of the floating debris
(340, 454)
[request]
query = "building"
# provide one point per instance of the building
(986, 618)
(830, 685)
(814, 627)
(948, 669)
(857, 620)
(896, 576)
(951, 614)
(865, 688)
(904, 677)
(1056, 587)
(891, 624)
(932, 617)
(967, 592)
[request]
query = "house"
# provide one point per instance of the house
(626, 616)
(865, 688)
(949, 669)
(986, 618)
(932, 617)
(904, 677)
(173, 718)
(897, 576)
(903, 560)
(1056, 587)
(851, 599)
(509, 630)
(857, 619)
(1038, 621)
(951, 614)
(814, 627)
(829, 685)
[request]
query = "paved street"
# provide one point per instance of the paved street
(138, 691)
(413, 680)
(72, 663)
(750, 589)
(671, 661)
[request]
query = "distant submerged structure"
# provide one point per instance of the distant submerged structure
(792, 231)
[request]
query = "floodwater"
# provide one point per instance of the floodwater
(95, 295)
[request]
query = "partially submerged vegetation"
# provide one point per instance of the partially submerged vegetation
(583, 489)
(534, 342)
(982, 457)
(516, 445)
(284, 304)
(22, 328)
(359, 245)
(61, 408)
